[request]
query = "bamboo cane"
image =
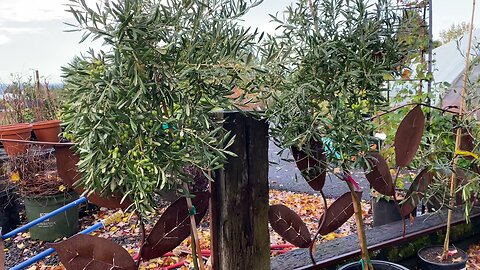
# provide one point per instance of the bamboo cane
(453, 179)
(357, 207)
(193, 224)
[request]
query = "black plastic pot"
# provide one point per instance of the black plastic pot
(385, 212)
(424, 264)
(9, 208)
(378, 265)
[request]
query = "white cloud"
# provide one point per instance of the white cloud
(17, 30)
(28, 10)
(4, 39)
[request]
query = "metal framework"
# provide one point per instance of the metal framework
(424, 9)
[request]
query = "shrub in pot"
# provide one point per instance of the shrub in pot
(378, 265)
(384, 208)
(455, 185)
(323, 95)
(9, 206)
(459, 164)
(43, 191)
(143, 129)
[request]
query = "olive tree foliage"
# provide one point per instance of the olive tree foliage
(332, 58)
(140, 111)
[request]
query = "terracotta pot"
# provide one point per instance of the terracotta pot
(47, 131)
(16, 132)
(67, 170)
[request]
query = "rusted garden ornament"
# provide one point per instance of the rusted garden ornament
(312, 164)
(95, 253)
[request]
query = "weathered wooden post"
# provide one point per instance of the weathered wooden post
(239, 212)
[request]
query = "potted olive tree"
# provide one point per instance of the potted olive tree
(141, 111)
(333, 59)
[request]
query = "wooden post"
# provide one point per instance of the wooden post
(239, 212)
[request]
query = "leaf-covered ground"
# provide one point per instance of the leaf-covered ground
(473, 257)
(125, 232)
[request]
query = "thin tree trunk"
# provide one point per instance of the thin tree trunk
(453, 179)
(360, 228)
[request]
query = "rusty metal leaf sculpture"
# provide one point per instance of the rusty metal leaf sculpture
(379, 177)
(174, 226)
(90, 252)
(467, 142)
(408, 136)
(313, 165)
(338, 213)
(416, 192)
(289, 225)
(67, 170)
(2, 253)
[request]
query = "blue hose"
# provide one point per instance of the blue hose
(49, 251)
(45, 217)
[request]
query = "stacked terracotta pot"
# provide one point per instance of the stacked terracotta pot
(46, 131)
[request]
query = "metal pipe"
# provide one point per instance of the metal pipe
(430, 51)
(45, 217)
(38, 142)
(33, 259)
(50, 251)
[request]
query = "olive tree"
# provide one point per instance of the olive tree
(332, 59)
(140, 110)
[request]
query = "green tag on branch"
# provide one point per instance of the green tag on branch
(192, 211)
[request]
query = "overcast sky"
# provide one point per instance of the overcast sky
(32, 32)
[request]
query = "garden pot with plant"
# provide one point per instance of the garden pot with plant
(384, 208)
(156, 118)
(9, 206)
(47, 131)
(43, 191)
(377, 265)
(63, 225)
(15, 132)
(462, 165)
(428, 258)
